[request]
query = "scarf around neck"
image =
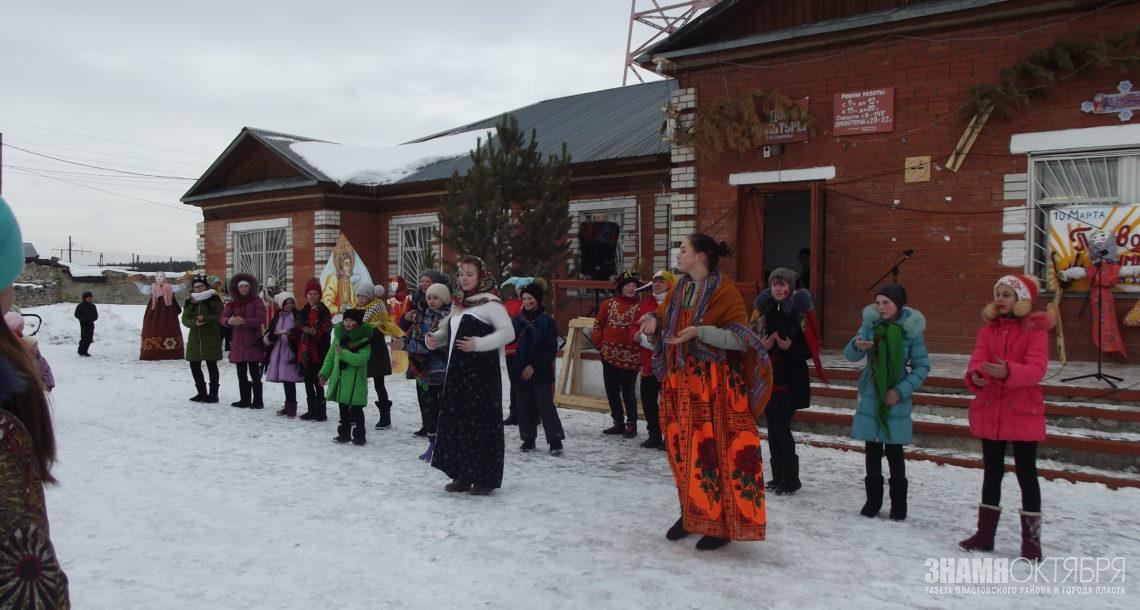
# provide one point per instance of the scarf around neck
(205, 295)
(887, 367)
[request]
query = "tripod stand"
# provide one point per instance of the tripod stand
(1099, 374)
(894, 270)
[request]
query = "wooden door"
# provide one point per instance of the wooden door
(750, 237)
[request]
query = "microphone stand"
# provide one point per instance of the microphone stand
(1099, 374)
(894, 270)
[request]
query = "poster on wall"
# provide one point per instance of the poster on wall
(1069, 227)
(782, 131)
(343, 271)
(866, 111)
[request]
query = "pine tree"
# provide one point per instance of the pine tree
(512, 208)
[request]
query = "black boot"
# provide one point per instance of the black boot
(677, 531)
(385, 409)
(243, 391)
(212, 397)
(256, 404)
(654, 441)
(791, 480)
(777, 473)
(874, 503)
(358, 430)
(711, 543)
(201, 395)
(617, 428)
(344, 429)
(322, 413)
(898, 499)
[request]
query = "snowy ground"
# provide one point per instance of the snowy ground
(166, 503)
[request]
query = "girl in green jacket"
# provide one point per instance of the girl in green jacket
(201, 315)
(346, 374)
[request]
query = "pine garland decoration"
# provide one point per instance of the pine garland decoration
(1019, 85)
(737, 123)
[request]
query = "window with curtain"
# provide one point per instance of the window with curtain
(1074, 182)
(600, 240)
(261, 253)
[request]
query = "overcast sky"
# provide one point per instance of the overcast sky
(183, 78)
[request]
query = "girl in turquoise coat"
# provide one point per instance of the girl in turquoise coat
(346, 374)
(891, 341)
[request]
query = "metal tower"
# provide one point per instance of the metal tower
(664, 20)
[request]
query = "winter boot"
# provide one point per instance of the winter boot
(481, 490)
(358, 426)
(777, 472)
(426, 456)
(527, 445)
(243, 391)
(677, 531)
(874, 487)
(1031, 536)
(457, 486)
(898, 499)
(555, 447)
(289, 410)
(422, 432)
(344, 428)
(630, 430)
(617, 428)
(257, 404)
(711, 543)
(212, 397)
(385, 415)
(654, 441)
(201, 395)
(322, 412)
(790, 483)
(983, 539)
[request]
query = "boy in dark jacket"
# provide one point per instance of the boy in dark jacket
(86, 313)
(534, 368)
(431, 365)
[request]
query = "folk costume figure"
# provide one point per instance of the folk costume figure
(340, 276)
(1005, 372)
(161, 330)
(614, 329)
(785, 320)
(1104, 272)
(469, 443)
(715, 380)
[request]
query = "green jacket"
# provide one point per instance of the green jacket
(203, 342)
(348, 384)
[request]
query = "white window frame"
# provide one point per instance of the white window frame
(262, 271)
(1128, 192)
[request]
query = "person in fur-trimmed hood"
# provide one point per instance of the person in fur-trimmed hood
(891, 339)
(345, 372)
(1009, 361)
(785, 321)
(245, 315)
(202, 314)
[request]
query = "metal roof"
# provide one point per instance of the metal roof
(619, 123)
(674, 46)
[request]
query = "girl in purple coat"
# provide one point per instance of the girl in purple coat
(283, 355)
(1005, 373)
(245, 315)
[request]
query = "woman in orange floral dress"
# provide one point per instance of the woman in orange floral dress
(715, 379)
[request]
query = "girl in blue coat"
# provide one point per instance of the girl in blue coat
(891, 340)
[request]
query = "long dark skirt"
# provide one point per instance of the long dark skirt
(469, 441)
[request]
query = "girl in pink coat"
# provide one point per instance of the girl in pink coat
(1005, 373)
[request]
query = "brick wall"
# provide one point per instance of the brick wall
(959, 254)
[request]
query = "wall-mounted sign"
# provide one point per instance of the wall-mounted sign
(787, 131)
(1121, 103)
(867, 111)
(1069, 228)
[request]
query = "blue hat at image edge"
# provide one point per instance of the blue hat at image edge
(11, 246)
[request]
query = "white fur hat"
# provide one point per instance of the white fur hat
(282, 297)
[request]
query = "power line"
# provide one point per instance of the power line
(53, 170)
(83, 135)
(86, 186)
(109, 169)
(107, 154)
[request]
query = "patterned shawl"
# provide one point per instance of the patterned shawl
(718, 304)
(485, 292)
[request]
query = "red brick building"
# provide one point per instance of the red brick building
(270, 210)
(846, 196)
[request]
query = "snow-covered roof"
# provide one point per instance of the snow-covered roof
(373, 165)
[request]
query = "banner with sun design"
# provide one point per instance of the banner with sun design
(1069, 229)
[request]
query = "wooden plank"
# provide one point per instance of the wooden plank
(585, 403)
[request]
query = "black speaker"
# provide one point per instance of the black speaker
(598, 244)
